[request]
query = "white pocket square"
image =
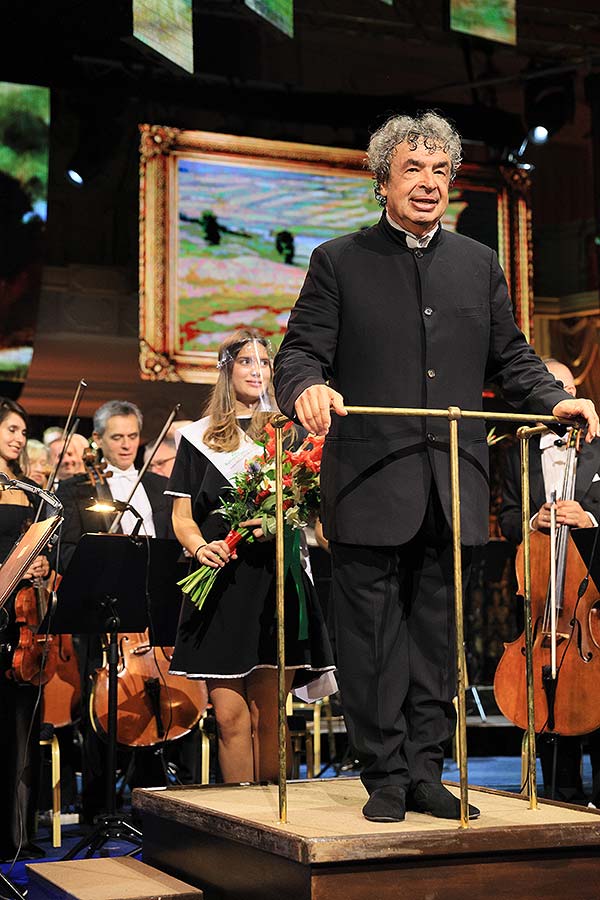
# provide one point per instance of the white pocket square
(596, 478)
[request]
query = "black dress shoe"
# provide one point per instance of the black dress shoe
(433, 798)
(386, 804)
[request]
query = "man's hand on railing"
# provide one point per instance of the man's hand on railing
(313, 407)
(579, 409)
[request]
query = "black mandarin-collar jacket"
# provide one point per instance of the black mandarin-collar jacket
(389, 326)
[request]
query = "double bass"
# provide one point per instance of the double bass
(566, 652)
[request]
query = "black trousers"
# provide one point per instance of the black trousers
(394, 626)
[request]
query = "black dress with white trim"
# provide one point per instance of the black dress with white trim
(236, 630)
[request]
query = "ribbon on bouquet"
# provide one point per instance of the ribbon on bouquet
(293, 566)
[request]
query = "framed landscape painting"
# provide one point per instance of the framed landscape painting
(228, 224)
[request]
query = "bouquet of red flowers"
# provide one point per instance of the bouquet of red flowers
(252, 496)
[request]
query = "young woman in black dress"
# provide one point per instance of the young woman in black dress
(232, 641)
(19, 706)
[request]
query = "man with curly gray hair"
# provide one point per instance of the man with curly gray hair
(429, 129)
(405, 313)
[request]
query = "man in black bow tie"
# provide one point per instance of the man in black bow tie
(117, 429)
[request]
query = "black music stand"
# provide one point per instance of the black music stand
(104, 590)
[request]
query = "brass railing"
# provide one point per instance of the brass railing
(454, 414)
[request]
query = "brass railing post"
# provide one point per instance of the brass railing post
(280, 605)
(454, 415)
(525, 434)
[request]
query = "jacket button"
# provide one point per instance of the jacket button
(431, 373)
(430, 437)
(418, 254)
(428, 311)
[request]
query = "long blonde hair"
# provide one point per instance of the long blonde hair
(223, 434)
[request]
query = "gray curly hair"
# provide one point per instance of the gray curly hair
(436, 133)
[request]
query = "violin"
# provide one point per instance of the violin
(33, 659)
(566, 652)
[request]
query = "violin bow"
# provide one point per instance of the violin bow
(69, 430)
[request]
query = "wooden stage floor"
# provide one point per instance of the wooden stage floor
(228, 841)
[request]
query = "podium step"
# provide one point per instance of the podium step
(110, 878)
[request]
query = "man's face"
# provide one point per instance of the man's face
(72, 461)
(163, 461)
(417, 189)
(120, 441)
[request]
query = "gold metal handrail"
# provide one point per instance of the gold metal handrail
(453, 414)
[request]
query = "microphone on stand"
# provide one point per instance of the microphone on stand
(12, 484)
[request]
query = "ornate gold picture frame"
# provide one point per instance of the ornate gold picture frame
(227, 226)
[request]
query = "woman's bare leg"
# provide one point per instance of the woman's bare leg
(234, 729)
(261, 694)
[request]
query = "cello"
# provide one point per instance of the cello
(153, 706)
(566, 652)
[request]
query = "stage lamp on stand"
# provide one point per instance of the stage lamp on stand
(109, 507)
(537, 135)
(549, 102)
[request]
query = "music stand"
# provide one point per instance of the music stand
(104, 591)
(29, 545)
(114, 583)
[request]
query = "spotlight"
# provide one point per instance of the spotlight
(539, 134)
(74, 177)
(89, 156)
(549, 102)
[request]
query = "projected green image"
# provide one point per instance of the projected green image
(24, 124)
(279, 13)
(491, 19)
(166, 26)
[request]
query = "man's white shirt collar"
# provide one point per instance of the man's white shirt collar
(412, 241)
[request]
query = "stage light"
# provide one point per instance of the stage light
(74, 177)
(539, 134)
(89, 156)
(549, 103)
